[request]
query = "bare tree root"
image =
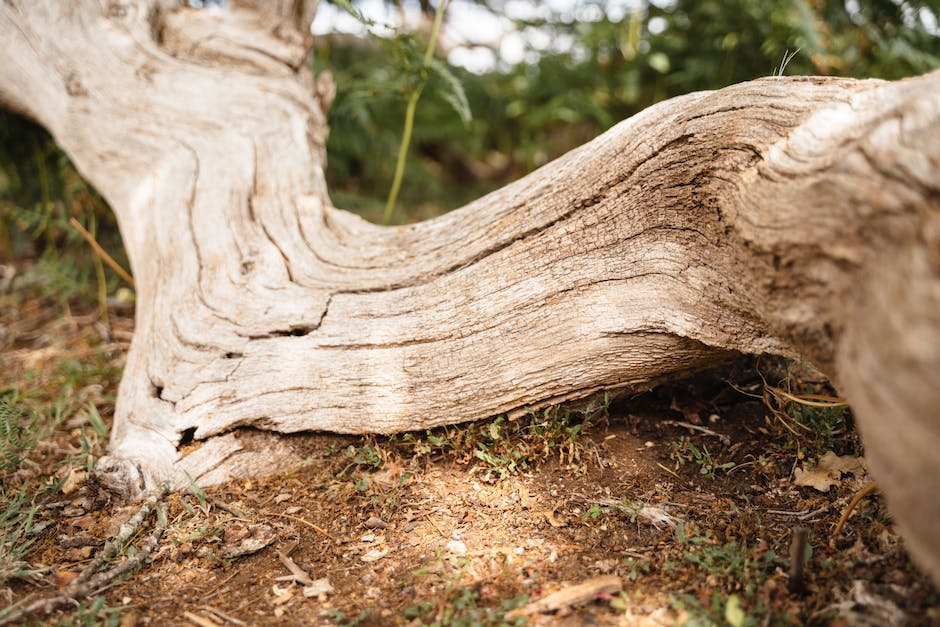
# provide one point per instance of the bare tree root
(871, 487)
(88, 583)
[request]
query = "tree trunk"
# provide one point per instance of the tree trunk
(798, 216)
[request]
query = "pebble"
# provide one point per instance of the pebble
(457, 548)
(374, 555)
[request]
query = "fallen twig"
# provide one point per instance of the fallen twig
(101, 252)
(688, 425)
(223, 615)
(297, 573)
(806, 514)
(571, 596)
(316, 528)
(200, 620)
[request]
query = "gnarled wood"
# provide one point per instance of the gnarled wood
(797, 216)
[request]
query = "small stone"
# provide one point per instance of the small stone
(374, 522)
(457, 548)
(374, 555)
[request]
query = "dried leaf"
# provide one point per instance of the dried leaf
(816, 477)
(281, 595)
(843, 463)
(245, 540)
(320, 587)
(828, 471)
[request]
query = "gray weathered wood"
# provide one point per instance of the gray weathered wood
(797, 216)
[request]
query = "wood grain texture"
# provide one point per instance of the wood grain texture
(797, 216)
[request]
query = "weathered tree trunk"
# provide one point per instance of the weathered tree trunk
(797, 216)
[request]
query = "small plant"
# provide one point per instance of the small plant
(593, 512)
(815, 421)
(90, 441)
(636, 569)
(827, 424)
(501, 447)
(93, 613)
(19, 433)
(200, 496)
(746, 570)
(632, 509)
(462, 609)
(367, 457)
(719, 611)
(340, 618)
(683, 451)
(416, 76)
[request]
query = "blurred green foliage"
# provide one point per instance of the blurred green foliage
(40, 191)
(476, 132)
(534, 111)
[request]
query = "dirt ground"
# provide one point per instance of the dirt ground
(631, 516)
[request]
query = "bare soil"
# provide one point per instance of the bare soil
(429, 529)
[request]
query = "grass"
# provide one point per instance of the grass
(19, 432)
(93, 612)
(719, 611)
(461, 607)
(684, 451)
(19, 531)
(32, 406)
(500, 448)
(729, 566)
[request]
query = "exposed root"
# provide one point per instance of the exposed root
(88, 583)
(871, 487)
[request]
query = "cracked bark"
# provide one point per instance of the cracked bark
(797, 216)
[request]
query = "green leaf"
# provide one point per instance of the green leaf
(733, 612)
(452, 91)
(94, 418)
(356, 13)
(659, 62)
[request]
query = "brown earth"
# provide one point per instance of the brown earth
(462, 525)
